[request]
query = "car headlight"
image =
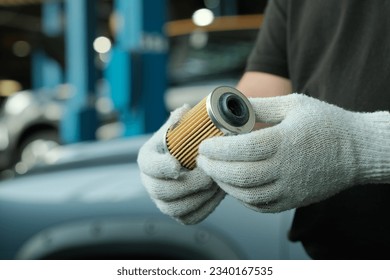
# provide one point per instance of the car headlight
(4, 140)
(17, 103)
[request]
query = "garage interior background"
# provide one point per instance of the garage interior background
(99, 76)
(102, 69)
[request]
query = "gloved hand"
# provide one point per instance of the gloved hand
(188, 196)
(313, 151)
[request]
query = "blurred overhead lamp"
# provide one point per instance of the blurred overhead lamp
(203, 17)
(102, 44)
(21, 48)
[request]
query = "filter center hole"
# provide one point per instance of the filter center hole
(235, 106)
(233, 109)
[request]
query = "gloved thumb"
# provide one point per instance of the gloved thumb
(153, 158)
(273, 109)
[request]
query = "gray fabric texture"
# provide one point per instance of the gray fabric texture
(313, 151)
(188, 196)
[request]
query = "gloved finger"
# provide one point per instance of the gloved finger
(157, 165)
(240, 174)
(254, 196)
(153, 157)
(187, 183)
(177, 114)
(158, 136)
(203, 211)
(253, 146)
(274, 109)
(267, 207)
(186, 205)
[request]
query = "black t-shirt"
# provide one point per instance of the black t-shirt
(337, 51)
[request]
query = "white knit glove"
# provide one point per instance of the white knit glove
(187, 196)
(314, 151)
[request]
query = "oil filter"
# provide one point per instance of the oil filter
(225, 111)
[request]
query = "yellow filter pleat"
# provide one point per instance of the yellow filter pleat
(183, 140)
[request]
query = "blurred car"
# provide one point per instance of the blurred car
(29, 125)
(88, 203)
(28, 122)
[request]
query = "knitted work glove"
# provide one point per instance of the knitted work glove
(187, 196)
(314, 151)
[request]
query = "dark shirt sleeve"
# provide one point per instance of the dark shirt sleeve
(269, 54)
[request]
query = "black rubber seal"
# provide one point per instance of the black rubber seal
(233, 109)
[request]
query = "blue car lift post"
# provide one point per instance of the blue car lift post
(80, 120)
(136, 73)
(46, 72)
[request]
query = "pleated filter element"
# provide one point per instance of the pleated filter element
(225, 111)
